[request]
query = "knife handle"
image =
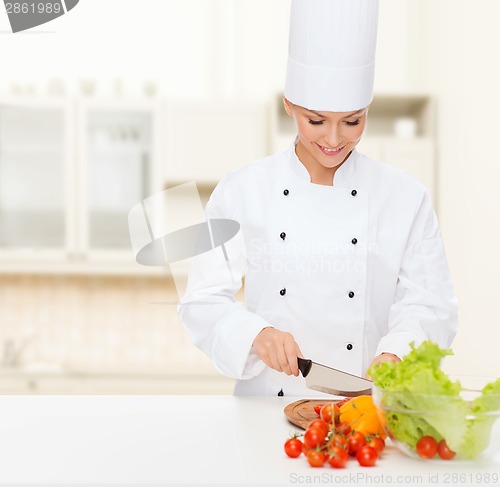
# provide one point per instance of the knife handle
(304, 365)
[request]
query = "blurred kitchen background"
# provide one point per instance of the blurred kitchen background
(121, 99)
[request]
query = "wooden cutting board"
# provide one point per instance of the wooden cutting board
(301, 413)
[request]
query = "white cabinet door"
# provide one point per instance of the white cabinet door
(33, 177)
(117, 170)
(205, 141)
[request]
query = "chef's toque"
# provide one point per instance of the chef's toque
(331, 58)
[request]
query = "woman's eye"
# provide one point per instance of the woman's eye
(356, 122)
(316, 122)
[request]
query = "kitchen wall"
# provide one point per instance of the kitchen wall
(92, 323)
(466, 76)
(236, 50)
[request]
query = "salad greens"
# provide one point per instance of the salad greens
(420, 399)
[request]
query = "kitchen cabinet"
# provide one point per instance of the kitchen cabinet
(70, 170)
(118, 168)
(35, 178)
(144, 440)
(209, 139)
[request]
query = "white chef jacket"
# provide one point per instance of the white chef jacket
(350, 270)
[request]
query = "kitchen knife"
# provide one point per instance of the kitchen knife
(332, 381)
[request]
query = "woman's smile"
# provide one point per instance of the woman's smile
(330, 152)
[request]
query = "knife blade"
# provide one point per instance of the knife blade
(333, 381)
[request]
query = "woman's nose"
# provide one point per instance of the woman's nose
(334, 138)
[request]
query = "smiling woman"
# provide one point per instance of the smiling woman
(387, 285)
(325, 140)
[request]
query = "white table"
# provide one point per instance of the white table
(186, 440)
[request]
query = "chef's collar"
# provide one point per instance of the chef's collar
(344, 175)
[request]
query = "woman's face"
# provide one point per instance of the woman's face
(326, 138)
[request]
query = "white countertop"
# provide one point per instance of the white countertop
(186, 440)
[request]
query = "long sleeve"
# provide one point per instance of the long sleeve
(425, 305)
(215, 320)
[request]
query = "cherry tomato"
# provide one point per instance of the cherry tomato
(338, 440)
(317, 408)
(314, 437)
(355, 442)
(293, 447)
(319, 424)
(376, 442)
(427, 447)
(305, 449)
(343, 428)
(444, 451)
(316, 458)
(367, 456)
(338, 457)
(326, 412)
(343, 401)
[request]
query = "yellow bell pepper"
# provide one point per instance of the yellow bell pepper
(361, 414)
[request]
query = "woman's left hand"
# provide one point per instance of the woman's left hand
(383, 357)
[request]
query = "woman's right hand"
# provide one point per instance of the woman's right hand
(278, 350)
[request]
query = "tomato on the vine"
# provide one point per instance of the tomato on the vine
(343, 428)
(305, 449)
(338, 440)
(316, 458)
(427, 447)
(367, 456)
(444, 451)
(338, 457)
(314, 437)
(355, 441)
(326, 413)
(319, 424)
(376, 442)
(293, 447)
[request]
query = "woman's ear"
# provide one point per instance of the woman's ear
(288, 106)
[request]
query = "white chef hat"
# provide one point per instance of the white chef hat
(331, 59)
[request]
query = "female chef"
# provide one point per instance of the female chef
(343, 256)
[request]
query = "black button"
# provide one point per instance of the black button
(283, 292)
(349, 346)
(354, 241)
(281, 393)
(286, 192)
(354, 192)
(283, 235)
(351, 294)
